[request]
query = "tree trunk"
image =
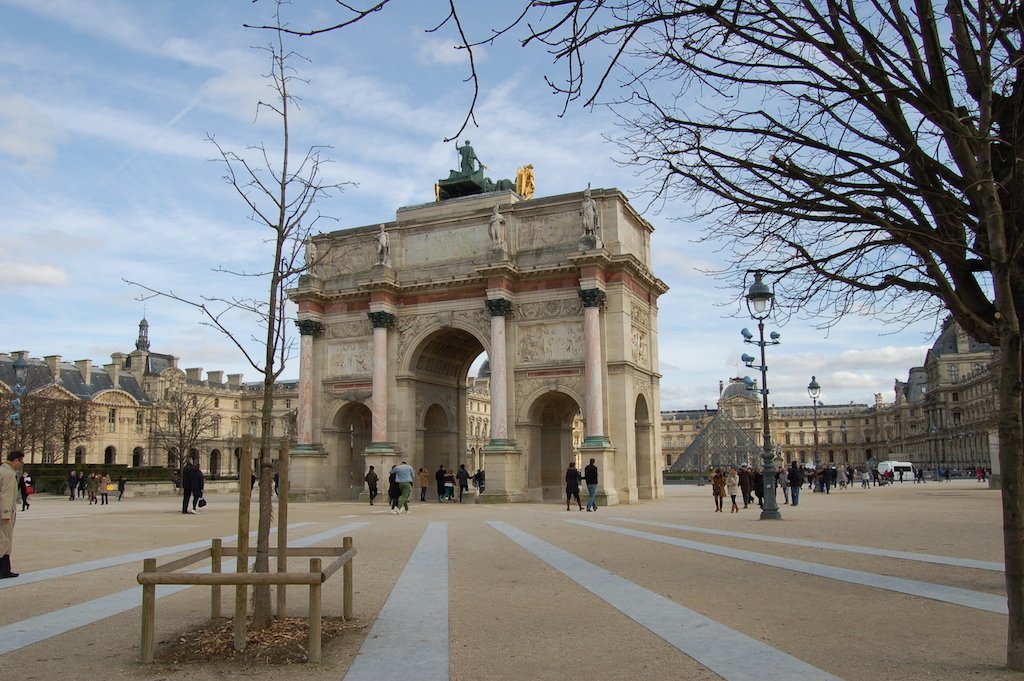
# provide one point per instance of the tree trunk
(1011, 469)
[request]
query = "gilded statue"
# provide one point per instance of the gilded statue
(524, 181)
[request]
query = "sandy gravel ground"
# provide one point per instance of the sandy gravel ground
(512, 616)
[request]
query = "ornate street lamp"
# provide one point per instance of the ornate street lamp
(814, 391)
(20, 366)
(759, 304)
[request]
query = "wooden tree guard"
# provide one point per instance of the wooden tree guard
(152, 575)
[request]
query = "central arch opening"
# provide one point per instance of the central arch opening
(452, 405)
(556, 432)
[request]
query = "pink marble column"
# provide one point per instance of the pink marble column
(308, 329)
(499, 308)
(379, 399)
(593, 301)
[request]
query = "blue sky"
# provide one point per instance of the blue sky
(104, 109)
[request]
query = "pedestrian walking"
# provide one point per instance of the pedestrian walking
(83, 481)
(371, 483)
(782, 480)
(8, 509)
(439, 479)
(25, 487)
(590, 475)
(72, 484)
(757, 481)
(732, 482)
(404, 476)
(572, 485)
(796, 481)
(92, 486)
(122, 482)
(746, 484)
(718, 489)
(104, 489)
(463, 477)
(480, 480)
(449, 485)
(423, 476)
(394, 491)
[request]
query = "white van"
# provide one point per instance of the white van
(897, 467)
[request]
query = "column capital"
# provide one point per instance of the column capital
(381, 320)
(593, 297)
(499, 307)
(309, 327)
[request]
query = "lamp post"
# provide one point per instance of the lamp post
(20, 366)
(759, 304)
(814, 390)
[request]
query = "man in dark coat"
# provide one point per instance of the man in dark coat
(439, 479)
(746, 484)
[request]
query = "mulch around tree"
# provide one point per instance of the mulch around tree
(284, 642)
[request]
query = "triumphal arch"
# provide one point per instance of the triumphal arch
(558, 291)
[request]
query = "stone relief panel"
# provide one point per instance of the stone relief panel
(352, 255)
(478, 319)
(409, 328)
(573, 385)
(350, 358)
(542, 231)
(562, 342)
(351, 328)
(550, 309)
(641, 346)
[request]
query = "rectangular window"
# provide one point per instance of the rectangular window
(139, 418)
(111, 420)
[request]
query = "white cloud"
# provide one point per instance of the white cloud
(16, 274)
(440, 51)
(27, 134)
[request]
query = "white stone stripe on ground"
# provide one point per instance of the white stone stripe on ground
(730, 654)
(912, 587)
(23, 516)
(99, 564)
(409, 640)
(42, 627)
(847, 548)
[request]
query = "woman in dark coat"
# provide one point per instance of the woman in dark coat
(572, 485)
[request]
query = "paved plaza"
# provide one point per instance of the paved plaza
(902, 582)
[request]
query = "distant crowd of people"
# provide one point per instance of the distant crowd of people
(446, 480)
(96, 487)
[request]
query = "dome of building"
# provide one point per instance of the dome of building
(736, 388)
(485, 369)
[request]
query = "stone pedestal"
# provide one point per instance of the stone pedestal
(505, 473)
(308, 472)
(604, 459)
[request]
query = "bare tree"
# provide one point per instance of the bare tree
(72, 422)
(183, 421)
(866, 155)
(280, 196)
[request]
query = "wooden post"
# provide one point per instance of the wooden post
(242, 562)
(314, 614)
(216, 553)
(282, 522)
(148, 644)
(346, 573)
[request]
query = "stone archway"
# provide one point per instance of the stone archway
(110, 456)
(352, 436)
(567, 316)
(138, 457)
(438, 439)
(214, 462)
(647, 469)
(549, 444)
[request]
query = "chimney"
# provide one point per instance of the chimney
(235, 379)
(53, 362)
(84, 367)
(174, 362)
(721, 388)
(114, 371)
(194, 374)
(214, 377)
